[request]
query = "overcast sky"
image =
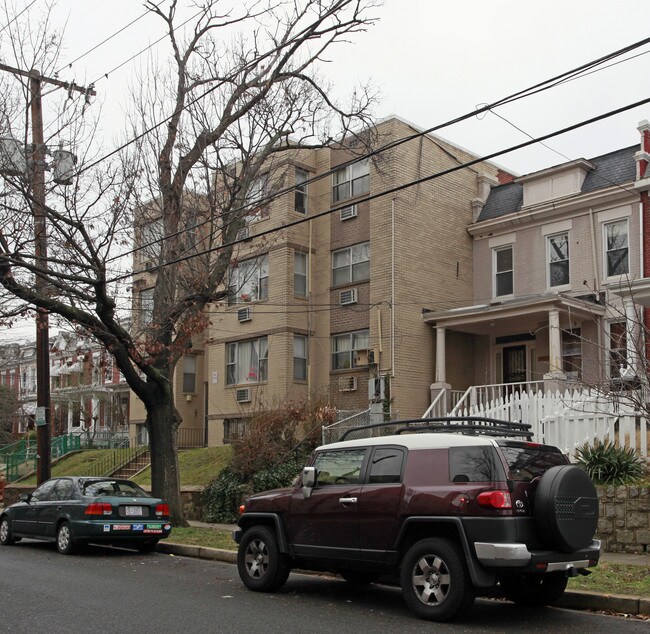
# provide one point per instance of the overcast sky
(435, 60)
(432, 61)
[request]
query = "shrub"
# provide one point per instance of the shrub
(608, 463)
(270, 455)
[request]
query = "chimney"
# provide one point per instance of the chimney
(485, 185)
(642, 157)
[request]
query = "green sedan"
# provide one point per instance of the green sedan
(74, 511)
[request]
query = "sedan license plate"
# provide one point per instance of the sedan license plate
(133, 511)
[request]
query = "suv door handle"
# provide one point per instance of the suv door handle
(347, 500)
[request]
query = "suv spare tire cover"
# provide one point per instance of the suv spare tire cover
(566, 508)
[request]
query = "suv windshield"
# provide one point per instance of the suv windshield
(527, 462)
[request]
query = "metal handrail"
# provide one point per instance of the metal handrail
(119, 457)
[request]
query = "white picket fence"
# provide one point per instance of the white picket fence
(568, 420)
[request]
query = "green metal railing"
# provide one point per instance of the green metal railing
(19, 458)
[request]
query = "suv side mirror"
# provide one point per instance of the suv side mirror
(308, 481)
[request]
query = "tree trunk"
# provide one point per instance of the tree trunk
(162, 422)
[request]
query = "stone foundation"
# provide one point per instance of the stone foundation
(624, 524)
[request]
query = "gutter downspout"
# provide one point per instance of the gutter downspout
(309, 322)
(392, 290)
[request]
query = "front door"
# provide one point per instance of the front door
(514, 364)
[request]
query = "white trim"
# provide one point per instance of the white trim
(501, 241)
(618, 213)
(547, 257)
(557, 227)
(603, 230)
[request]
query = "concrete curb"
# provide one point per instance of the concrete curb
(576, 600)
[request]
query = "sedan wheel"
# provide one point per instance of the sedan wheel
(65, 539)
(5, 533)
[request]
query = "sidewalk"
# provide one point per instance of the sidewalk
(574, 599)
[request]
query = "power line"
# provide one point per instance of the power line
(110, 37)
(540, 87)
(6, 26)
(536, 88)
(401, 187)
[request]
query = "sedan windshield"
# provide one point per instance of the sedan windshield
(119, 488)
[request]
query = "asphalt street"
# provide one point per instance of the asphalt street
(113, 590)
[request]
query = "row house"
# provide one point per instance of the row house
(87, 391)
(18, 372)
(326, 303)
(558, 260)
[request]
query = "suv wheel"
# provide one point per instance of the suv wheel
(534, 590)
(262, 567)
(435, 582)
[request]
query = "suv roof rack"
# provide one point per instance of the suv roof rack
(468, 425)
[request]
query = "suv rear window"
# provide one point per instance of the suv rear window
(527, 462)
(475, 464)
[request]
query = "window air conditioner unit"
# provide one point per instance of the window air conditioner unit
(243, 395)
(361, 358)
(349, 212)
(348, 296)
(347, 383)
(244, 233)
(245, 314)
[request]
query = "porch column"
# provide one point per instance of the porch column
(555, 378)
(633, 335)
(441, 369)
(69, 416)
(94, 413)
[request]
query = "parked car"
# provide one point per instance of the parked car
(74, 511)
(461, 506)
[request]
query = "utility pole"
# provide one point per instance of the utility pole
(43, 402)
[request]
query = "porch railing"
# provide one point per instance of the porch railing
(480, 398)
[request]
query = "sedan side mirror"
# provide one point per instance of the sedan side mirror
(25, 497)
(308, 481)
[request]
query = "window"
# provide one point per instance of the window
(63, 490)
(503, 271)
(572, 353)
(350, 181)
(386, 466)
(475, 464)
(299, 358)
(108, 368)
(351, 264)
(249, 281)
(616, 248)
(233, 429)
(258, 190)
(301, 191)
(151, 235)
(43, 492)
(617, 348)
(247, 361)
(339, 467)
(346, 349)
(558, 259)
(189, 373)
(146, 306)
(300, 275)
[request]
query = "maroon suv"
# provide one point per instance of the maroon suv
(452, 506)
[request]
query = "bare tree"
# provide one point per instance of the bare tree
(240, 88)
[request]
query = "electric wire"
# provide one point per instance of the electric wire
(393, 190)
(108, 39)
(6, 26)
(572, 74)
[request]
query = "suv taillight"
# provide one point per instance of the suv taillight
(494, 500)
(98, 508)
(162, 510)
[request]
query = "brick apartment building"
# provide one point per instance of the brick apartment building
(322, 308)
